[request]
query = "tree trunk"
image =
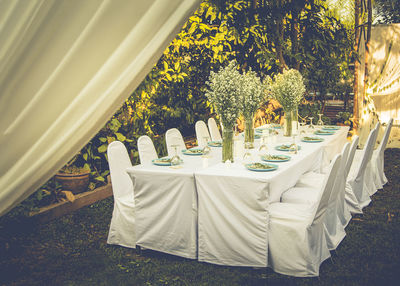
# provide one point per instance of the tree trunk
(357, 5)
(279, 36)
(369, 26)
(295, 38)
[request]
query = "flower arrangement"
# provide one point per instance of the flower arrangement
(252, 93)
(287, 88)
(224, 93)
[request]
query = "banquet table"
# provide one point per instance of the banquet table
(218, 212)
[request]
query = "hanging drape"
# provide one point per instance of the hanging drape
(66, 66)
(383, 87)
(385, 76)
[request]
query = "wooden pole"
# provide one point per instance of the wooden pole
(357, 5)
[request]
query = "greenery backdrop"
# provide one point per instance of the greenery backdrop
(264, 35)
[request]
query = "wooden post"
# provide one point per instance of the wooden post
(357, 5)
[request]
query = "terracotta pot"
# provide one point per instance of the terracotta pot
(76, 183)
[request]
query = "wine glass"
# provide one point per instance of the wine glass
(293, 147)
(320, 123)
(302, 128)
(206, 148)
(247, 157)
(264, 143)
(175, 160)
(311, 126)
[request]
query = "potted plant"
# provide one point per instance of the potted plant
(73, 178)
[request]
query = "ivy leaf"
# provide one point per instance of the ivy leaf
(120, 137)
(102, 148)
(99, 178)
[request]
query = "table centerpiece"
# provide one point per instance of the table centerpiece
(252, 91)
(288, 88)
(224, 94)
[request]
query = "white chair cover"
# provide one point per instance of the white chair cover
(174, 137)
(122, 228)
(377, 161)
(357, 196)
(369, 173)
(309, 193)
(146, 150)
(202, 134)
(212, 126)
(344, 211)
(297, 240)
(166, 211)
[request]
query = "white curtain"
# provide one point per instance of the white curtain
(66, 66)
(384, 82)
(385, 73)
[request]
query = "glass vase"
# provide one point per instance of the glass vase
(249, 132)
(290, 122)
(227, 144)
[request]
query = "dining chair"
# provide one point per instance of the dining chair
(174, 137)
(122, 227)
(309, 191)
(377, 161)
(202, 134)
(370, 187)
(357, 195)
(344, 211)
(146, 150)
(212, 126)
(297, 239)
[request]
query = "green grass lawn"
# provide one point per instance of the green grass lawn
(72, 250)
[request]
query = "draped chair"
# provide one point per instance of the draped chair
(357, 196)
(377, 161)
(307, 191)
(297, 239)
(174, 137)
(345, 216)
(202, 134)
(212, 126)
(122, 228)
(369, 173)
(146, 150)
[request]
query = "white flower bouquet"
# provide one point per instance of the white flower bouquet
(252, 93)
(288, 88)
(224, 93)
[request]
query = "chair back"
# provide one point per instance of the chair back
(367, 153)
(327, 189)
(202, 134)
(339, 181)
(214, 132)
(385, 138)
(350, 157)
(118, 162)
(174, 137)
(146, 150)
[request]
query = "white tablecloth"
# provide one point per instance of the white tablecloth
(228, 203)
(233, 202)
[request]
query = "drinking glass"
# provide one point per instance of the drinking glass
(206, 148)
(247, 157)
(320, 123)
(303, 127)
(311, 127)
(264, 143)
(293, 146)
(175, 160)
